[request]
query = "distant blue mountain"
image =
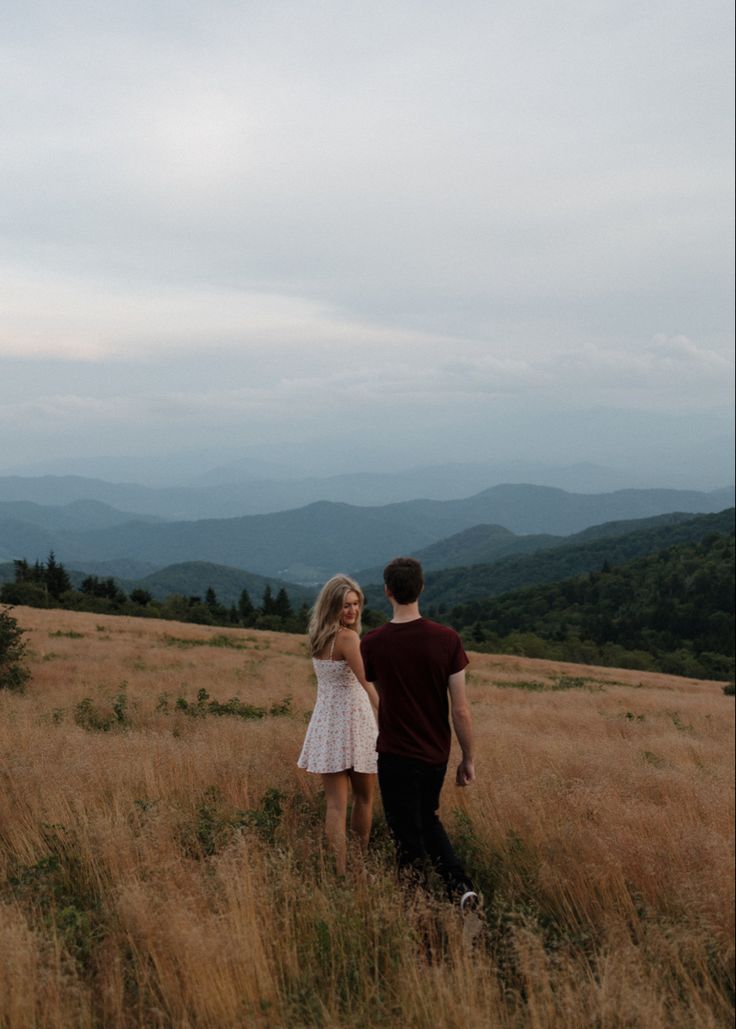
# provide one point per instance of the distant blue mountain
(310, 543)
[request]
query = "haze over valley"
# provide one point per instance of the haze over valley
(308, 544)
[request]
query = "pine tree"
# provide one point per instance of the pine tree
(268, 605)
(22, 571)
(56, 577)
(245, 607)
(282, 604)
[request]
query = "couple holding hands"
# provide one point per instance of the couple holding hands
(409, 677)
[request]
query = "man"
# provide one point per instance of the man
(414, 664)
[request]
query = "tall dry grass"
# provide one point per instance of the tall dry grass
(163, 865)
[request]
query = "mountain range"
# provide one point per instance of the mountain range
(485, 561)
(306, 545)
(228, 492)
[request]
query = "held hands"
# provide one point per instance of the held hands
(465, 774)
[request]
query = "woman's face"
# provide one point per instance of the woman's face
(350, 608)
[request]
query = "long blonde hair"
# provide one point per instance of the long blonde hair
(324, 618)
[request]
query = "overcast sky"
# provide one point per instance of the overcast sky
(354, 235)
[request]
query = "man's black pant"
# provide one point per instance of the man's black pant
(410, 791)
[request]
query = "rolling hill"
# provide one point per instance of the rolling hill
(30, 528)
(485, 544)
(672, 611)
(612, 543)
(194, 578)
(308, 544)
(76, 516)
(481, 544)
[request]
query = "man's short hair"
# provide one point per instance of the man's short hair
(404, 579)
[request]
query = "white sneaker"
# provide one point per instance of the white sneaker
(470, 901)
(473, 922)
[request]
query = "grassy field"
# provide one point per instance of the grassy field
(161, 858)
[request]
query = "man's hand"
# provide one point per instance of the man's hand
(463, 729)
(465, 772)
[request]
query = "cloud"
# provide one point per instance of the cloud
(293, 209)
(88, 320)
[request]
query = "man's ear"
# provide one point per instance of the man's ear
(387, 591)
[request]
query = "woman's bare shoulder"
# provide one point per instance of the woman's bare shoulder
(346, 639)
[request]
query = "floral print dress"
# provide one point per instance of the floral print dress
(342, 730)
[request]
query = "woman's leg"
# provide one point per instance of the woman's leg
(364, 787)
(336, 795)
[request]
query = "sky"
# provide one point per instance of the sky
(333, 236)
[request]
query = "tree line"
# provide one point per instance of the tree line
(671, 611)
(48, 584)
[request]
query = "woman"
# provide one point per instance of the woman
(340, 744)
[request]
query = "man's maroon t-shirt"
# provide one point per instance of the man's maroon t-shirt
(410, 663)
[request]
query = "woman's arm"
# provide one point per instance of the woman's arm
(347, 648)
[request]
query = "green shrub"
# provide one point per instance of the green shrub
(235, 707)
(28, 594)
(13, 673)
(62, 895)
(89, 717)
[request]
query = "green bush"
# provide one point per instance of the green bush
(13, 673)
(89, 717)
(28, 594)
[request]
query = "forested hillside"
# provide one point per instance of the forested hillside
(480, 544)
(577, 554)
(671, 611)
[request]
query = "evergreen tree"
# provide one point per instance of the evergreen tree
(268, 606)
(282, 604)
(245, 607)
(302, 617)
(56, 577)
(105, 588)
(22, 571)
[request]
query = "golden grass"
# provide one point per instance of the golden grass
(165, 869)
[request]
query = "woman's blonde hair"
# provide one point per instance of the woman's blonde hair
(324, 618)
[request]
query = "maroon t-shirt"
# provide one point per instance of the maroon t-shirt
(410, 663)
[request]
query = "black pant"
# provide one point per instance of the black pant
(410, 791)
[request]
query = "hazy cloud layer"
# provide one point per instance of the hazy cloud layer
(333, 224)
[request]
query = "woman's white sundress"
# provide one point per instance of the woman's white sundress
(342, 730)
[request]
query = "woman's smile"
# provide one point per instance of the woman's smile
(350, 609)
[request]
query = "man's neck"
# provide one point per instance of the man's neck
(405, 612)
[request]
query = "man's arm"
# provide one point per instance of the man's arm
(463, 728)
